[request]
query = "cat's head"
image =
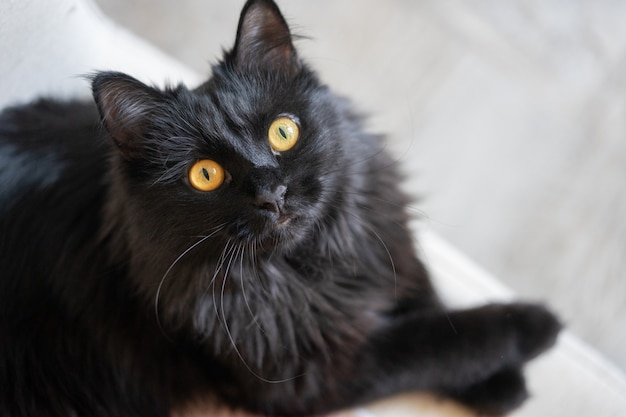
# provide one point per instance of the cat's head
(255, 155)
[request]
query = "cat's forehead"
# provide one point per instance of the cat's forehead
(247, 95)
(236, 113)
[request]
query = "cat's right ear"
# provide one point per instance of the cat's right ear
(264, 40)
(126, 107)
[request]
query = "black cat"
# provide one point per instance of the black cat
(244, 241)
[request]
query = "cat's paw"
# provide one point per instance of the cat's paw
(536, 328)
(501, 393)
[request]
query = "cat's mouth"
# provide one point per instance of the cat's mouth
(283, 221)
(282, 231)
(265, 227)
(277, 226)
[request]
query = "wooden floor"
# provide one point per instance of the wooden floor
(509, 117)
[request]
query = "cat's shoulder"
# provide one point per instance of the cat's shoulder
(46, 112)
(48, 106)
(49, 144)
(47, 123)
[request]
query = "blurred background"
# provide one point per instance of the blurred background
(508, 117)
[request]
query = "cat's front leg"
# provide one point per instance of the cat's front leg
(498, 394)
(472, 355)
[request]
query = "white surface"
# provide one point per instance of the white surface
(48, 47)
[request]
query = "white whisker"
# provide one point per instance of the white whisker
(371, 230)
(236, 252)
(220, 263)
(216, 230)
(392, 263)
(243, 288)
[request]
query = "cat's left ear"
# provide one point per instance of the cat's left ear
(264, 40)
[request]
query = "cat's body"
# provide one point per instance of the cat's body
(292, 288)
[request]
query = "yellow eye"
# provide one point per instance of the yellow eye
(283, 134)
(206, 175)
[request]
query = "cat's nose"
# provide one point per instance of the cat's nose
(271, 200)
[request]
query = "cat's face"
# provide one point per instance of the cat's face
(252, 156)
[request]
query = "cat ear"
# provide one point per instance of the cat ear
(126, 107)
(264, 40)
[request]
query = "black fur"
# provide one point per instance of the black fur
(126, 292)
